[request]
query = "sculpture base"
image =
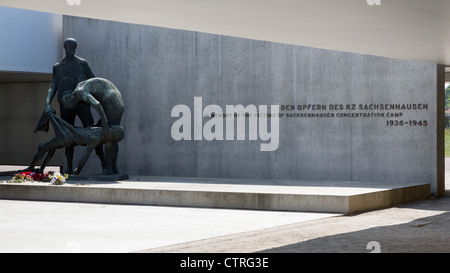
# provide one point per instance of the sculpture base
(254, 194)
(99, 177)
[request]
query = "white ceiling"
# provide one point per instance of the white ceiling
(404, 29)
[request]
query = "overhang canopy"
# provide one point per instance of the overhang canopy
(405, 29)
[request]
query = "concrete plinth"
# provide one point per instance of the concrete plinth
(283, 195)
(100, 177)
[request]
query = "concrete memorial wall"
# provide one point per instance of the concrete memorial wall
(204, 105)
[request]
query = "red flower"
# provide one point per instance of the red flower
(37, 176)
(32, 176)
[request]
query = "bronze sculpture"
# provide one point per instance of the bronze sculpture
(67, 135)
(77, 90)
(66, 75)
(104, 97)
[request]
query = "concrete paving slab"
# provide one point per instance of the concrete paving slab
(254, 194)
(31, 226)
(40, 227)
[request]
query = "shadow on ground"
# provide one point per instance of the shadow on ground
(423, 235)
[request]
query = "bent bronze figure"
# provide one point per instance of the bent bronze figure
(67, 135)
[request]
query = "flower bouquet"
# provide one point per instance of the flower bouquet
(54, 178)
(31, 176)
(57, 178)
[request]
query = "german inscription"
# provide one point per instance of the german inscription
(396, 114)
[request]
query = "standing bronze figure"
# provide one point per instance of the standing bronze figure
(67, 74)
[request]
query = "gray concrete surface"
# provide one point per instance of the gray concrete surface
(158, 68)
(39, 227)
(254, 194)
(28, 226)
(418, 227)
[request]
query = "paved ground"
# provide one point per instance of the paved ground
(422, 226)
(27, 226)
(418, 227)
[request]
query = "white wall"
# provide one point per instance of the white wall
(30, 40)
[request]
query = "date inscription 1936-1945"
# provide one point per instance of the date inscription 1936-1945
(412, 123)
